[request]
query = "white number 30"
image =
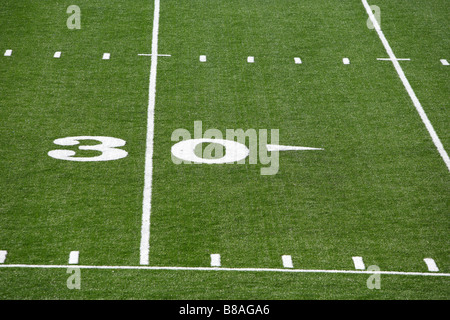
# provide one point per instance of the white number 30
(108, 148)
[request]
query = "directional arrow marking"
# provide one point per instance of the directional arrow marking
(275, 147)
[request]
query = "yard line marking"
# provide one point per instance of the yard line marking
(106, 56)
(389, 59)
(57, 54)
(147, 193)
(3, 254)
(215, 260)
(359, 263)
(8, 53)
(73, 257)
(298, 61)
(400, 273)
(444, 62)
(432, 266)
(287, 261)
(202, 58)
(415, 100)
(346, 61)
(250, 59)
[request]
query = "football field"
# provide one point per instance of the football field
(224, 149)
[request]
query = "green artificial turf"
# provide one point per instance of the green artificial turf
(378, 190)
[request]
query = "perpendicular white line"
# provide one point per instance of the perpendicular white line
(389, 59)
(3, 254)
(147, 193)
(431, 264)
(445, 62)
(346, 61)
(106, 56)
(400, 273)
(202, 58)
(215, 260)
(250, 59)
(57, 54)
(149, 55)
(437, 142)
(73, 257)
(359, 263)
(287, 261)
(298, 61)
(8, 53)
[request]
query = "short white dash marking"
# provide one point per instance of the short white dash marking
(298, 61)
(346, 61)
(8, 53)
(432, 266)
(250, 59)
(106, 56)
(359, 263)
(202, 58)
(3, 254)
(287, 261)
(73, 257)
(444, 62)
(57, 54)
(215, 260)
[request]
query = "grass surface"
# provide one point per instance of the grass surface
(379, 190)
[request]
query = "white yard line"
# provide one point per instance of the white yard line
(106, 56)
(8, 53)
(400, 273)
(146, 203)
(445, 62)
(417, 104)
(57, 54)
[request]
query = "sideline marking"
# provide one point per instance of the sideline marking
(147, 193)
(400, 273)
(432, 266)
(415, 100)
(445, 62)
(250, 59)
(346, 61)
(202, 58)
(215, 260)
(359, 263)
(73, 257)
(3, 254)
(298, 61)
(57, 54)
(8, 53)
(106, 56)
(287, 261)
